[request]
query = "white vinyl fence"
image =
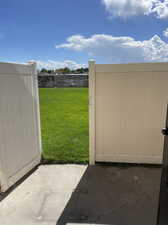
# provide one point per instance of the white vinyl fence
(127, 112)
(20, 138)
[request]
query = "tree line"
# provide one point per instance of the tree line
(65, 70)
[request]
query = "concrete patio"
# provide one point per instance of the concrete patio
(79, 194)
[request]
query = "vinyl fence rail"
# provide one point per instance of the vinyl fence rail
(20, 137)
(127, 112)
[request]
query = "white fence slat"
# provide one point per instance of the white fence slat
(127, 112)
(20, 141)
(92, 112)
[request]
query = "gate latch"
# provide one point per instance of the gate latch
(165, 131)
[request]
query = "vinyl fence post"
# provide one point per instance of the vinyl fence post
(92, 79)
(37, 104)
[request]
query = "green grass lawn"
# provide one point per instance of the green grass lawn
(64, 123)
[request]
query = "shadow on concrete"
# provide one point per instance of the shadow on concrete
(163, 200)
(114, 195)
(13, 187)
(162, 212)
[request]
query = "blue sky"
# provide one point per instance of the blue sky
(57, 33)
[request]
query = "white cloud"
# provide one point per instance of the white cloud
(161, 9)
(119, 49)
(165, 33)
(129, 8)
(50, 64)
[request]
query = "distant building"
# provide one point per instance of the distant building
(62, 80)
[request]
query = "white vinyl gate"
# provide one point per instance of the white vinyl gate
(20, 138)
(127, 112)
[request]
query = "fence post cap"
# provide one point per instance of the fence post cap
(91, 61)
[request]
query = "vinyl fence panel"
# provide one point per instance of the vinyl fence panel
(20, 138)
(127, 112)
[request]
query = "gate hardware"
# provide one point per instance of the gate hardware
(165, 131)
